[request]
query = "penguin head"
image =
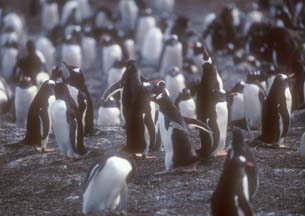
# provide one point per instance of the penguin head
(56, 73)
(189, 66)
(109, 103)
(30, 46)
(146, 12)
(239, 87)
(119, 64)
(47, 89)
(172, 40)
(76, 77)
(25, 81)
(61, 90)
(11, 43)
(185, 94)
(207, 60)
(174, 71)
(237, 141)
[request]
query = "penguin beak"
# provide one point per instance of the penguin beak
(250, 164)
(232, 94)
(291, 76)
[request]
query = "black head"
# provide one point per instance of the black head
(56, 73)
(25, 82)
(189, 66)
(237, 140)
(185, 94)
(47, 89)
(61, 90)
(172, 40)
(280, 83)
(76, 77)
(174, 71)
(109, 103)
(207, 60)
(119, 64)
(239, 87)
(30, 46)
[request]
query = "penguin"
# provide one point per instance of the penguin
(24, 95)
(277, 112)
(70, 11)
(152, 47)
(9, 58)
(38, 125)
(49, 15)
(145, 23)
(302, 147)
(231, 196)
(136, 109)
(89, 52)
(66, 123)
(111, 52)
(108, 113)
(45, 46)
(129, 12)
(175, 133)
(106, 186)
(6, 97)
(240, 148)
(102, 17)
(175, 82)
(13, 21)
(171, 56)
(186, 104)
(80, 94)
(8, 34)
(71, 51)
(236, 105)
(211, 108)
(116, 72)
(41, 78)
(164, 6)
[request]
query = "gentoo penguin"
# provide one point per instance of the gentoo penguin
(152, 46)
(6, 97)
(240, 148)
(175, 82)
(211, 108)
(66, 123)
(236, 106)
(9, 58)
(80, 94)
(103, 17)
(106, 186)
(41, 78)
(136, 109)
(302, 147)
(89, 51)
(276, 112)
(108, 113)
(129, 12)
(49, 15)
(45, 46)
(116, 72)
(71, 51)
(111, 52)
(8, 34)
(186, 104)
(38, 120)
(172, 55)
(145, 23)
(13, 21)
(231, 196)
(24, 94)
(175, 133)
(29, 63)
(254, 98)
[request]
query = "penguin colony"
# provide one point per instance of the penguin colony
(43, 83)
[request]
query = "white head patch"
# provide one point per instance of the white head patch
(209, 61)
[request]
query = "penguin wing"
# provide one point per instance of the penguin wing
(178, 126)
(148, 121)
(286, 119)
(44, 117)
(72, 122)
(245, 205)
(116, 87)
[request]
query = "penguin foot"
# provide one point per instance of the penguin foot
(43, 150)
(221, 153)
(280, 146)
(164, 172)
(148, 157)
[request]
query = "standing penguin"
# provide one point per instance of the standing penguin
(116, 72)
(106, 186)
(186, 104)
(38, 120)
(240, 148)
(171, 56)
(231, 196)
(236, 105)
(66, 123)
(129, 12)
(212, 108)
(49, 15)
(175, 133)
(108, 113)
(140, 129)
(89, 52)
(24, 95)
(277, 112)
(45, 46)
(6, 97)
(175, 82)
(71, 51)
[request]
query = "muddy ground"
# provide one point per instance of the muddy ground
(45, 184)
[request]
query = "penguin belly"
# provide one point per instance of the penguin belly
(23, 100)
(105, 190)
(144, 25)
(252, 107)
(45, 46)
(61, 128)
(88, 52)
(108, 116)
(175, 85)
(71, 54)
(3, 100)
(8, 62)
(288, 100)
(114, 75)
(302, 147)
(49, 16)
(41, 77)
(152, 46)
(110, 55)
(166, 140)
(172, 58)
(222, 123)
(188, 108)
(237, 107)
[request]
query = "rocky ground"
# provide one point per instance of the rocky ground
(45, 184)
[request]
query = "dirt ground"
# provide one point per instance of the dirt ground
(45, 184)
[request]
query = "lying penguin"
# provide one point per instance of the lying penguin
(106, 186)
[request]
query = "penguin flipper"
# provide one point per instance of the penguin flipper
(148, 121)
(245, 205)
(45, 123)
(116, 87)
(178, 126)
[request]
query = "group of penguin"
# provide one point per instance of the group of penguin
(158, 114)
